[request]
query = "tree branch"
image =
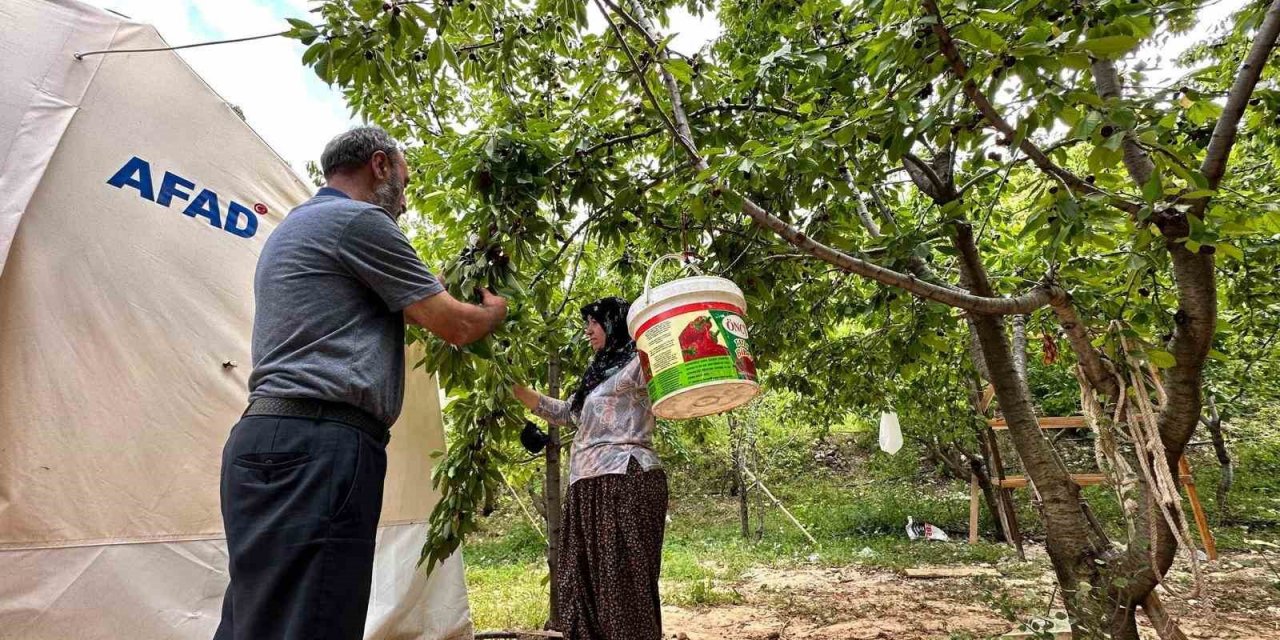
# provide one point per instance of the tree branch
(631, 137)
(1106, 81)
(1095, 369)
(865, 215)
(876, 198)
(1025, 303)
(925, 173)
(644, 82)
(630, 20)
(745, 107)
(657, 180)
(1224, 132)
(649, 133)
(991, 172)
(1073, 182)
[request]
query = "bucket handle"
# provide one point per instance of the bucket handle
(670, 256)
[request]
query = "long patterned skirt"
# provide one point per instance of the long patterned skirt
(611, 556)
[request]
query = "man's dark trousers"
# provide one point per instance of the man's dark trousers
(301, 499)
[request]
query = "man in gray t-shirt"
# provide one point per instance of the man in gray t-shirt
(302, 471)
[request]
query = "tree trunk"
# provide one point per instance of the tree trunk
(1214, 426)
(976, 466)
(1020, 346)
(1069, 541)
(552, 493)
(963, 465)
(1166, 625)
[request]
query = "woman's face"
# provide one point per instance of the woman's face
(595, 334)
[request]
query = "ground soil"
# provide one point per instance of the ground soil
(1239, 599)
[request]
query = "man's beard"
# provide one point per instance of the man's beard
(387, 195)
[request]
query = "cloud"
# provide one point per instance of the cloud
(285, 102)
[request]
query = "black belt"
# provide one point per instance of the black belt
(321, 410)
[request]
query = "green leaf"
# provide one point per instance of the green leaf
(680, 69)
(1103, 157)
(313, 53)
(1153, 190)
(844, 135)
(1161, 358)
(1230, 251)
(1110, 46)
(481, 349)
(995, 17)
(450, 56)
(394, 29)
(435, 55)
(980, 37)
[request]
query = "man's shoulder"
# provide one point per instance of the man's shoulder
(324, 216)
(333, 205)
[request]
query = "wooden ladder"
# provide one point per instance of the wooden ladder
(1004, 483)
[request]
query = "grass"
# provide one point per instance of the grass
(704, 555)
(858, 519)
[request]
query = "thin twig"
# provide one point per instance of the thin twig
(1038, 297)
(1013, 160)
(640, 74)
(1224, 131)
(999, 191)
(1075, 183)
(573, 280)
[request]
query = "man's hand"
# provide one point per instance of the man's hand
(458, 323)
(495, 304)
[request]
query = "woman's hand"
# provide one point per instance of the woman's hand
(528, 397)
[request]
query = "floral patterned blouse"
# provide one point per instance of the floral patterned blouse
(614, 426)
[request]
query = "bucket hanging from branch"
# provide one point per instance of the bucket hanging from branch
(692, 338)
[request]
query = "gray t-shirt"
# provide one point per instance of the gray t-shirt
(331, 286)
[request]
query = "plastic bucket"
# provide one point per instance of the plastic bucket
(692, 338)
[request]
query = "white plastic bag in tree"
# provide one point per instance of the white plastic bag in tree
(890, 433)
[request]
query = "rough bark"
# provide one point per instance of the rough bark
(1098, 372)
(1107, 83)
(1162, 621)
(1020, 346)
(1068, 534)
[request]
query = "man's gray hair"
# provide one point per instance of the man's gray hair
(353, 149)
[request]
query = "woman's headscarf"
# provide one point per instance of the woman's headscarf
(619, 348)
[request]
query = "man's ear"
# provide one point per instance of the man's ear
(382, 165)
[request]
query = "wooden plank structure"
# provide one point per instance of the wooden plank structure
(1005, 483)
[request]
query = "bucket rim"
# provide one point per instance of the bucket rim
(739, 382)
(679, 287)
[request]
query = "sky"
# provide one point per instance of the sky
(292, 109)
(296, 113)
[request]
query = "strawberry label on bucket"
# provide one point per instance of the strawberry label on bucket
(695, 344)
(692, 338)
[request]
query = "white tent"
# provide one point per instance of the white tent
(126, 306)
